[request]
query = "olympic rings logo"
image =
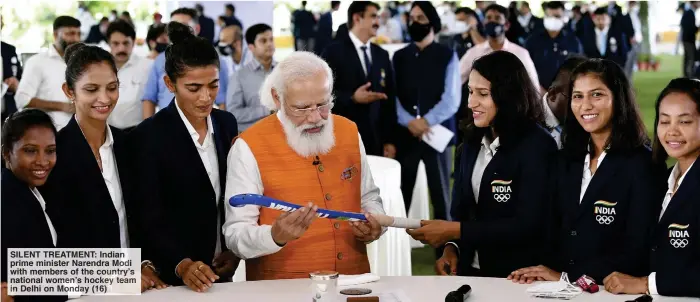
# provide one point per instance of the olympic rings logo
(679, 243)
(604, 219)
(501, 197)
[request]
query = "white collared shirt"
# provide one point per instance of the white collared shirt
(132, 81)
(525, 21)
(360, 53)
(484, 48)
(486, 153)
(207, 153)
(243, 235)
(43, 207)
(552, 121)
(672, 188)
(43, 77)
(588, 174)
(601, 39)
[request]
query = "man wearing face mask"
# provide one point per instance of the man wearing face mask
(469, 31)
(606, 40)
(548, 49)
(524, 24)
(157, 40)
(231, 50)
(495, 28)
(156, 93)
(429, 93)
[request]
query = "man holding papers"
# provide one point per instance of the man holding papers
(307, 156)
(428, 96)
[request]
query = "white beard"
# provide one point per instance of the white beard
(308, 144)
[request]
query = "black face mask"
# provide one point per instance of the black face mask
(418, 31)
(494, 30)
(226, 49)
(160, 47)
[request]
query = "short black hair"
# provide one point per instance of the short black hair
(359, 7)
(689, 87)
(153, 33)
(126, 14)
(120, 26)
(519, 105)
(303, 3)
(498, 8)
(65, 21)
(254, 31)
(185, 11)
(104, 19)
(335, 4)
(628, 132)
(231, 8)
(187, 51)
(18, 123)
(199, 8)
(601, 11)
(567, 67)
(554, 5)
(80, 56)
(466, 11)
(576, 8)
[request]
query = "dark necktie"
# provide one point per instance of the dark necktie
(368, 64)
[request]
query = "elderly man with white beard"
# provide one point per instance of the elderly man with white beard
(305, 155)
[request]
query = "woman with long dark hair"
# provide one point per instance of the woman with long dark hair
(606, 184)
(501, 191)
(675, 252)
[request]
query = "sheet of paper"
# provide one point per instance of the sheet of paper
(4, 89)
(439, 138)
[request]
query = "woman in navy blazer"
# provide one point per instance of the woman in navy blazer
(675, 249)
(29, 152)
(90, 183)
(179, 166)
(501, 192)
(606, 184)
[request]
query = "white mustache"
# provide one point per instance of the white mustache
(307, 127)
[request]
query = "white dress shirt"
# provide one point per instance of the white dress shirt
(486, 153)
(43, 77)
(243, 235)
(552, 121)
(484, 48)
(601, 39)
(360, 53)
(672, 188)
(588, 174)
(132, 81)
(43, 207)
(207, 153)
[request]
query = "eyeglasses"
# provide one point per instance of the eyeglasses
(324, 109)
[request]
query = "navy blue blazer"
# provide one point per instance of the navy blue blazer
(375, 121)
(675, 249)
(616, 49)
(507, 226)
(324, 33)
(76, 186)
(174, 197)
(608, 230)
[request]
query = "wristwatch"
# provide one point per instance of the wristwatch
(149, 264)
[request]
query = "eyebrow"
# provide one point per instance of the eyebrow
(680, 115)
(198, 84)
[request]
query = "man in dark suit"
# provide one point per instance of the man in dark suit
(324, 33)
(11, 74)
(97, 32)
(364, 80)
(606, 41)
(206, 24)
(230, 14)
(524, 25)
(688, 31)
(303, 23)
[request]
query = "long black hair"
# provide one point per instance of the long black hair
(187, 51)
(687, 86)
(628, 130)
(513, 92)
(80, 56)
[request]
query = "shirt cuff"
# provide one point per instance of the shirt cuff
(178, 264)
(268, 243)
(453, 244)
(652, 284)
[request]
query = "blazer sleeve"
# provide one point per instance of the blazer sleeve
(387, 108)
(532, 201)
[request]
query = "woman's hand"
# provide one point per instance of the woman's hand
(447, 264)
(196, 275)
(149, 279)
(534, 273)
(435, 232)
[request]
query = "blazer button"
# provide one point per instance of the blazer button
(653, 248)
(328, 196)
(340, 256)
(573, 233)
(320, 168)
(336, 225)
(572, 262)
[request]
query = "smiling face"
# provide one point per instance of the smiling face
(679, 126)
(196, 90)
(480, 100)
(592, 104)
(95, 93)
(33, 156)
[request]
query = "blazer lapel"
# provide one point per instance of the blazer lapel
(490, 174)
(221, 154)
(355, 60)
(602, 176)
(682, 196)
(122, 160)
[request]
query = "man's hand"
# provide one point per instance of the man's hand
(418, 127)
(619, 283)
(367, 231)
(449, 259)
(68, 107)
(149, 279)
(363, 96)
(389, 150)
(12, 84)
(436, 232)
(196, 275)
(534, 273)
(5, 297)
(290, 226)
(225, 264)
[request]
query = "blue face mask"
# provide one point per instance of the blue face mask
(494, 30)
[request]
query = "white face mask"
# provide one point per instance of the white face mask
(553, 24)
(461, 27)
